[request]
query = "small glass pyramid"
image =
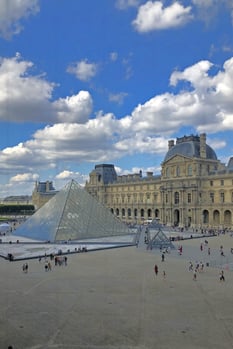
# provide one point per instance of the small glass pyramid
(72, 214)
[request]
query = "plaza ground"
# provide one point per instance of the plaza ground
(111, 299)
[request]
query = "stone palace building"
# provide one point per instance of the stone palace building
(193, 190)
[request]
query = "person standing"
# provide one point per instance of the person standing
(156, 269)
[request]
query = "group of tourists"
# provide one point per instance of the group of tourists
(58, 261)
(197, 266)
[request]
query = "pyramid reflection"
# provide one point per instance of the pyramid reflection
(73, 214)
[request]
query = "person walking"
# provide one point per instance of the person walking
(222, 277)
(156, 269)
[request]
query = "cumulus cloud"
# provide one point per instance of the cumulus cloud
(67, 175)
(28, 97)
(83, 70)
(11, 14)
(74, 108)
(24, 177)
(154, 16)
(206, 105)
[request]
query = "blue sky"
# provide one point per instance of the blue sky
(84, 82)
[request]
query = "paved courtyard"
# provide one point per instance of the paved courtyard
(112, 299)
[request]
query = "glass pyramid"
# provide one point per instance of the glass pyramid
(72, 214)
(157, 238)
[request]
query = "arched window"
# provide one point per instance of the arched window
(129, 212)
(216, 217)
(123, 212)
(227, 218)
(156, 213)
(205, 217)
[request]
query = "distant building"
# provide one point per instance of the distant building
(194, 188)
(17, 200)
(42, 193)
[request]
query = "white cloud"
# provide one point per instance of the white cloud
(143, 144)
(113, 56)
(124, 4)
(153, 16)
(27, 97)
(19, 184)
(24, 178)
(67, 175)
(207, 10)
(63, 177)
(11, 14)
(206, 105)
(83, 70)
(118, 97)
(75, 108)
(155, 170)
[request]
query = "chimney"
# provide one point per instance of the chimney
(203, 146)
(170, 144)
(149, 174)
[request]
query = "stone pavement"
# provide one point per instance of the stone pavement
(112, 300)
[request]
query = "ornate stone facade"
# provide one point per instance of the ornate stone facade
(194, 189)
(42, 193)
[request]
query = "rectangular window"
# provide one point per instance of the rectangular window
(176, 198)
(211, 183)
(189, 198)
(222, 197)
(212, 198)
(222, 182)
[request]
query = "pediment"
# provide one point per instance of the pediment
(176, 159)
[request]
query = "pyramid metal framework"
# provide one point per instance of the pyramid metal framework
(72, 214)
(157, 238)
